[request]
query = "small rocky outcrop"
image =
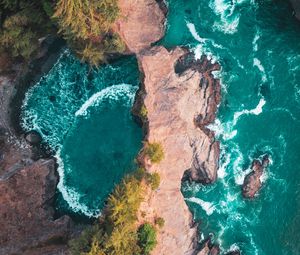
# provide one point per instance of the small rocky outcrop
(208, 248)
(33, 138)
(296, 6)
(141, 23)
(252, 182)
(181, 97)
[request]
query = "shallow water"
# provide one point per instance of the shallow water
(258, 46)
(85, 116)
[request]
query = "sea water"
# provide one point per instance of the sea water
(85, 117)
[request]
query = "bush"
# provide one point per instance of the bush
(147, 238)
(143, 112)
(153, 180)
(154, 151)
(159, 221)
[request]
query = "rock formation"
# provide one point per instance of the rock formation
(179, 96)
(27, 186)
(296, 6)
(208, 248)
(141, 23)
(252, 182)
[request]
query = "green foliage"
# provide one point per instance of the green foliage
(83, 244)
(147, 238)
(154, 151)
(118, 236)
(85, 24)
(140, 173)
(85, 19)
(23, 22)
(153, 180)
(143, 112)
(159, 221)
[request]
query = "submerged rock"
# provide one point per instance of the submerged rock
(296, 6)
(33, 138)
(175, 98)
(252, 182)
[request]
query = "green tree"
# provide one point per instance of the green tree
(154, 151)
(147, 238)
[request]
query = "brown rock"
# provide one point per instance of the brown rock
(26, 215)
(252, 182)
(141, 23)
(174, 100)
(208, 248)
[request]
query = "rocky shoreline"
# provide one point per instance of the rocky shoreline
(27, 181)
(181, 97)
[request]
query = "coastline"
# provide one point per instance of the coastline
(176, 94)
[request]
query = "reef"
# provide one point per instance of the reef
(181, 97)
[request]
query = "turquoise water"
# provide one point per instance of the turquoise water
(258, 46)
(85, 117)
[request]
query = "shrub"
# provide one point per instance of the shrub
(140, 173)
(143, 112)
(147, 238)
(153, 180)
(154, 151)
(159, 221)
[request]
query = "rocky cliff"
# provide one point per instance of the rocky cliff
(141, 23)
(27, 183)
(181, 97)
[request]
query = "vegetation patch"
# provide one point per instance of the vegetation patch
(154, 151)
(85, 24)
(147, 238)
(118, 233)
(160, 222)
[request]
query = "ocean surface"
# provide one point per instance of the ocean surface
(85, 117)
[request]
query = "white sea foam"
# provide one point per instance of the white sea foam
(258, 64)
(255, 40)
(208, 207)
(256, 111)
(70, 195)
(112, 92)
(202, 48)
(229, 20)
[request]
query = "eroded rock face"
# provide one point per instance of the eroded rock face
(26, 215)
(252, 182)
(27, 188)
(141, 23)
(175, 99)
